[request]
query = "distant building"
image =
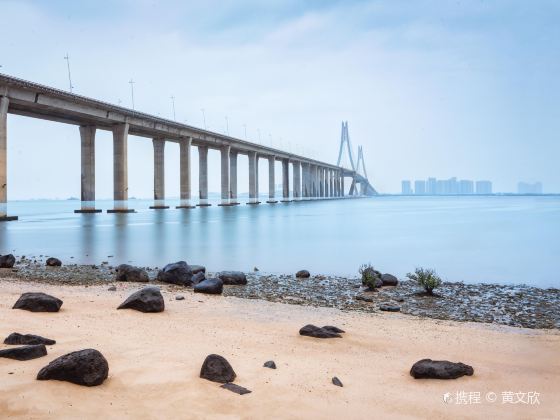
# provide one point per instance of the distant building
(527, 188)
(483, 187)
(406, 188)
(466, 187)
(419, 187)
(431, 186)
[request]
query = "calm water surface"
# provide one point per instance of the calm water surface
(471, 239)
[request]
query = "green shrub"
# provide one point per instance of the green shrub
(370, 277)
(427, 278)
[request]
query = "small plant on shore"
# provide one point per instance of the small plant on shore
(370, 277)
(427, 278)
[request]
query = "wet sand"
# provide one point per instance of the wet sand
(155, 360)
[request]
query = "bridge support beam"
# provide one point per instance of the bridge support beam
(321, 182)
(185, 174)
(253, 180)
(203, 177)
(159, 174)
(342, 184)
(87, 138)
(285, 180)
(271, 180)
(233, 177)
(225, 175)
(305, 183)
(296, 180)
(120, 169)
(331, 183)
(4, 103)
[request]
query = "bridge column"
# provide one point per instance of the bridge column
(159, 174)
(120, 169)
(4, 103)
(185, 173)
(285, 180)
(321, 182)
(326, 182)
(271, 180)
(342, 184)
(331, 183)
(253, 188)
(315, 184)
(203, 176)
(225, 175)
(305, 180)
(233, 177)
(87, 137)
(296, 181)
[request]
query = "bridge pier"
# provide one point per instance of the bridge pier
(225, 173)
(203, 177)
(120, 169)
(296, 181)
(4, 103)
(233, 177)
(159, 174)
(321, 182)
(253, 180)
(185, 174)
(87, 149)
(286, 181)
(271, 180)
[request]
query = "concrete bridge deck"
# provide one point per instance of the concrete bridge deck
(311, 178)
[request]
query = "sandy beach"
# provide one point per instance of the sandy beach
(155, 361)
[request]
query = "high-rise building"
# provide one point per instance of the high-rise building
(528, 188)
(419, 187)
(466, 186)
(431, 186)
(483, 187)
(406, 188)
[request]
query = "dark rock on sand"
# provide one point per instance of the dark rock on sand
(317, 332)
(389, 280)
(303, 274)
(176, 273)
(84, 367)
(209, 286)
(439, 369)
(198, 269)
(337, 382)
(149, 299)
(179, 297)
(198, 277)
(38, 302)
(25, 352)
(217, 369)
(270, 364)
(112, 289)
(53, 262)
(364, 298)
(389, 308)
(17, 338)
(7, 261)
(127, 272)
(333, 329)
(235, 388)
(233, 277)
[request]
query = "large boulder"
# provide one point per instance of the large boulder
(235, 278)
(217, 369)
(17, 338)
(389, 280)
(176, 273)
(439, 369)
(25, 352)
(333, 329)
(149, 299)
(209, 286)
(53, 262)
(84, 367)
(198, 277)
(38, 302)
(318, 332)
(127, 272)
(303, 274)
(7, 261)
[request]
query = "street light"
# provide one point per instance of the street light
(227, 126)
(173, 102)
(67, 58)
(132, 91)
(203, 117)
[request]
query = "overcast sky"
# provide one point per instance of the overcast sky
(429, 87)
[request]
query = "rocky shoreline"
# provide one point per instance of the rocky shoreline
(513, 305)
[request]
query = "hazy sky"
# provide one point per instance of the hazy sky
(429, 87)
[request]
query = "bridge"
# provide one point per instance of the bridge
(312, 179)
